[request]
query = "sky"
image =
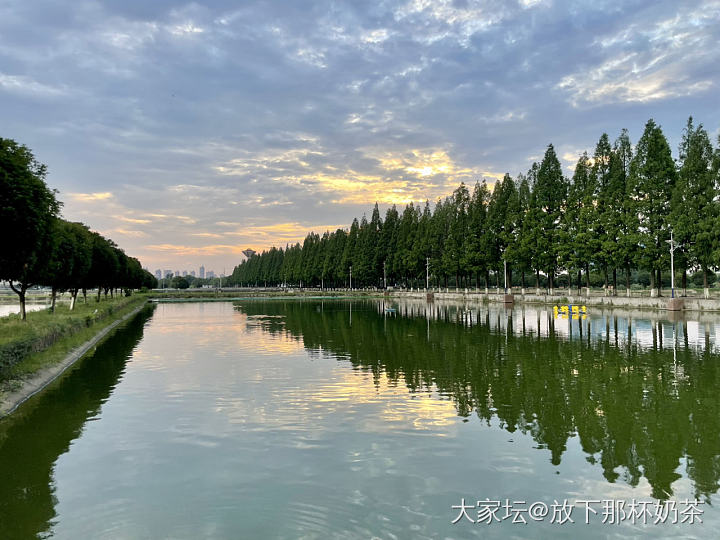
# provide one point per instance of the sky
(187, 132)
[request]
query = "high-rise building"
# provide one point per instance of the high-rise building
(192, 273)
(202, 272)
(168, 273)
(210, 274)
(158, 273)
(184, 273)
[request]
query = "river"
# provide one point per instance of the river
(344, 419)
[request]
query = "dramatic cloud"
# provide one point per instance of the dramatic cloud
(188, 132)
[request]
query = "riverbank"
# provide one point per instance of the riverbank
(59, 351)
(561, 296)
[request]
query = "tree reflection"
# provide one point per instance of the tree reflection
(640, 406)
(53, 420)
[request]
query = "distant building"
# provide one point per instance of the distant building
(192, 273)
(168, 273)
(210, 274)
(158, 274)
(202, 272)
(184, 273)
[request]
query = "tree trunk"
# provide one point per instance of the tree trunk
(73, 298)
(684, 281)
(21, 297)
(605, 279)
(522, 279)
(653, 291)
(579, 281)
(587, 277)
(706, 290)
(614, 281)
(99, 292)
(54, 296)
(659, 282)
(627, 281)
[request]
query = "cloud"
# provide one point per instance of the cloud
(194, 124)
(89, 197)
(27, 86)
(650, 62)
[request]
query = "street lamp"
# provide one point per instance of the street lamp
(672, 265)
(427, 272)
(505, 270)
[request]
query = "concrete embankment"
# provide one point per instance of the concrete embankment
(39, 380)
(632, 302)
(635, 301)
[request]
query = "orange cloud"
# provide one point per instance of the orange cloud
(89, 197)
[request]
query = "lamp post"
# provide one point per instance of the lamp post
(505, 271)
(672, 265)
(427, 272)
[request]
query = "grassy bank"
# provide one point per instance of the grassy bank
(46, 338)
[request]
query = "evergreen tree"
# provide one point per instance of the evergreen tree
(694, 201)
(550, 192)
(602, 254)
(651, 183)
(474, 248)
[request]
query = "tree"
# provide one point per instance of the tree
(694, 209)
(68, 260)
(550, 191)
(622, 224)
(456, 210)
(652, 179)
(27, 211)
(475, 254)
(179, 282)
(581, 240)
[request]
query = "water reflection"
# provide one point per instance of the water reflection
(27, 489)
(638, 391)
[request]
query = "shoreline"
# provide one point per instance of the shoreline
(692, 304)
(42, 378)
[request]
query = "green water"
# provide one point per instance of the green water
(339, 419)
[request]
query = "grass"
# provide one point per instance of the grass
(45, 338)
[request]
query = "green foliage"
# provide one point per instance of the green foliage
(28, 209)
(651, 183)
(41, 248)
(611, 219)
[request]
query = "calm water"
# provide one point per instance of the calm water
(310, 419)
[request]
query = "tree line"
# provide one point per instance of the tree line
(613, 216)
(41, 248)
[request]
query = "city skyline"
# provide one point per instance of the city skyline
(187, 132)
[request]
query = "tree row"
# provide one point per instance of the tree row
(613, 218)
(41, 248)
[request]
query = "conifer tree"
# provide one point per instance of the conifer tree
(652, 179)
(550, 191)
(694, 206)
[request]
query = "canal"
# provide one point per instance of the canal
(361, 419)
